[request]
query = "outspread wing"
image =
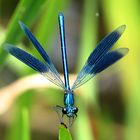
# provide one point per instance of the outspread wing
(47, 69)
(39, 48)
(35, 64)
(101, 58)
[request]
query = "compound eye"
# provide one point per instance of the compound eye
(75, 110)
(64, 111)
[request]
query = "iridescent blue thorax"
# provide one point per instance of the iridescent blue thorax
(70, 110)
(68, 98)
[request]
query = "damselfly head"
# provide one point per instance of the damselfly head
(70, 111)
(67, 115)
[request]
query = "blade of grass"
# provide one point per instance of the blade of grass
(25, 124)
(49, 20)
(87, 42)
(128, 14)
(26, 11)
(19, 128)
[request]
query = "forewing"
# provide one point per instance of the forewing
(97, 54)
(40, 49)
(34, 63)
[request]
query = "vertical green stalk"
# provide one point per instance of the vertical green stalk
(119, 12)
(25, 124)
(19, 128)
(26, 11)
(49, 21)
(87, 43)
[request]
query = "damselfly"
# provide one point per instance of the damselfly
(99, 59)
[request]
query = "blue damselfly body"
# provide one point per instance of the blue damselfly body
(100, 58)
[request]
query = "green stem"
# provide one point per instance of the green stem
(118, 12)
(88, 42)
(25, 124)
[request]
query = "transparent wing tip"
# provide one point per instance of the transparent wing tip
(123, 51)
(74, 86)
(22, 25)
(7, 47)
(20, 22)
(121, 29)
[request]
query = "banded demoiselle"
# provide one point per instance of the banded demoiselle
(99, 60)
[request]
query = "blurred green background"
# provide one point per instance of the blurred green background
(109, 105)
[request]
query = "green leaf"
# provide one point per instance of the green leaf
(64, 133)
